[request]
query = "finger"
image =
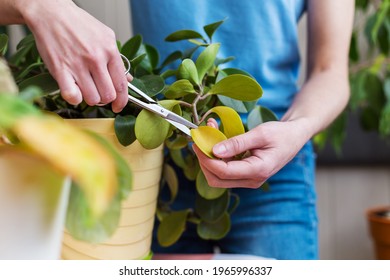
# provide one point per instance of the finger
(215, 181)
(238, 144)
(88, 88)
(212, 122)
(249, 168)
(103, 83)
(70, 92)
(119, 80)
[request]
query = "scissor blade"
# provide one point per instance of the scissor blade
(176, 118)
(179, 126)
(140, 92)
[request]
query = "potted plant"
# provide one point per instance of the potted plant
(198, 88)
(37, 154)
(370, 96)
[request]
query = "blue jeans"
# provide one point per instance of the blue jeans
(279, 223)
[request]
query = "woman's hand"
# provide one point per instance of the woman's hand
(268, 148)
(79, 51)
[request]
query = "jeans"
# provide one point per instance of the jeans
(278, 223)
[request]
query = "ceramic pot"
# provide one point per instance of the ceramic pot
(132, 239)
(379, 222)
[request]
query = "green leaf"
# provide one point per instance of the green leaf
(183, 35)
(188, 71)
(380, 18)
(260, 115)
(213, 209)
(204, 188)
(44, 81)
(386, 88)
(3, 44)
(172, 227)
(124, 129)
(214, 231)
(353, 48)
(179, 88)
(237, 105)
(177, 143)
(28, 69)
(206, 60)
(239, 87)
(211, 28)
(149, 84)
(171, 58)
(123, 171)
(156, 132)
(170, 177)
(192, 167)
(12, 109)
(132, 46)
(82, 224)
(177, 157)
(30, 94)
(152, 57)
(137, 60)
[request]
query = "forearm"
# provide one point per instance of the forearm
(321, 99)
(9, 12)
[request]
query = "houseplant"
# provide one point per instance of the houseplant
(200, 88)
(370, 94)
(31, 174)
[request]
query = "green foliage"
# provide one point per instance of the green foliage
(369, 74)
(201, 87)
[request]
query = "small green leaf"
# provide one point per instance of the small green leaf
(170, 177)
(30, 94)
(125, 129)
(211, 28)
(179, 88)
(177, 143)
(187, 70)
(206, 60)
(183, 35)
(149, 84)
(211, 210)
(177, 157)
(204, 188)
(192, 167)
(171, 58)
(172, 227)
(260, 115)
(239, 87)
(214, 231)
(152, 57)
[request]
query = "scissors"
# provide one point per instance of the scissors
(151, 105)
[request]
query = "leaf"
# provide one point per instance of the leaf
(206, 60)
(260, 115)
(237, 105)
(132, 46)
(152, 57)
(170, 177)
(149, 84)
(239, 87)
(44, 81)
(211, 210)
(188, 71)
(214, 231)
(83, 225)
(206, 137)
(124, 129)
(3, 44)
(177, 143)
(183, 35)
(150, 129)
(30, 94)
(171, 58)
(74, 152)
(230, 119)
(179, 88)
(211, 28)
(172, 227)
(204, 188)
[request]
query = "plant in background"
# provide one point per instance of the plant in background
(199, 88)
(369, 73)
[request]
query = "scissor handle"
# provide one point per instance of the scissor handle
(127, 62)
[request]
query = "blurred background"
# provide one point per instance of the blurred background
(353, 154)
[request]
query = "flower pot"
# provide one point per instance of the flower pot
(379, 222)
(33, 201)
(133, 237)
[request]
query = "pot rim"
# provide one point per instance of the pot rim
(372, 214)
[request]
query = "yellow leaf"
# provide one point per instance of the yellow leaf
(205, 137)
(230, 119)
(73, 152)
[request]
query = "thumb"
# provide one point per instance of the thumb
(233, 146)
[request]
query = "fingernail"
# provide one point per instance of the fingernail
(219, 149)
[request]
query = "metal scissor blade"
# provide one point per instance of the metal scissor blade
(180, 126)
(140, 92)
(178, 119)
